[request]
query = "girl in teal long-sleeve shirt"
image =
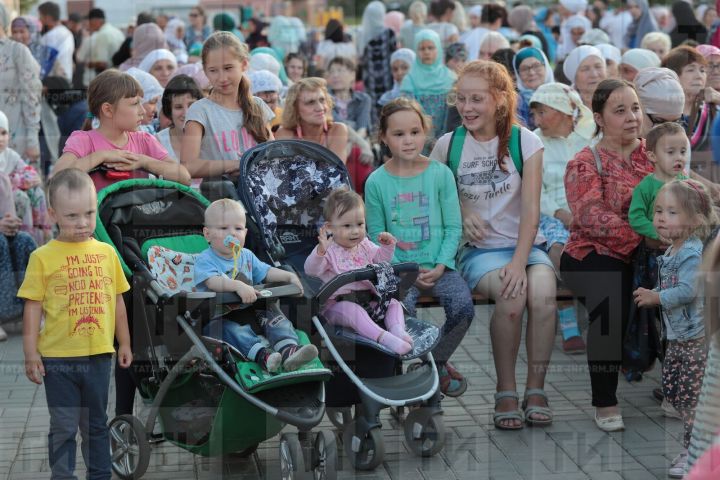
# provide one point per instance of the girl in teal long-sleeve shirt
(416, 200)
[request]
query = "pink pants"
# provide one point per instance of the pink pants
(352, 315)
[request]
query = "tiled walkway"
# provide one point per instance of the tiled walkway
(572, 448)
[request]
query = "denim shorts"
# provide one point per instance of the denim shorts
(474, 263)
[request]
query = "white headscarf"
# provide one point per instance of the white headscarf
(264, 61)
(576, 57)
(154, 56)
(151, 87)
(594, 37)
(640, 58)
(610, 52)
(373, 23)
(475, 11)
(567, 45)
(403, 54)
(4, 123)
(177, 45)
(575, 6)
(264, 81)
(566, 100)
(660, 92)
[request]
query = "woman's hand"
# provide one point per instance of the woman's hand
(710, 95)
(514, 280)
(474, 226)
(124, 161)
(564, 216)
(646, 298)
(10, 225)
(324, 240)
(32, 154)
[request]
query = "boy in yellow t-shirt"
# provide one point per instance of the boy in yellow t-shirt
(76, 283)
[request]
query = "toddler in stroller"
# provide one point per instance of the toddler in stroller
(225, 230)
(343, 246)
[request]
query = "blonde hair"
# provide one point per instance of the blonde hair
(656, 37)
(73, 179)
(502, 89)
(253, 117)
(220, 208)
(459, 18)
(418, 12)
(694, 200)
(110, 86)
(291, 116)
(340, 201)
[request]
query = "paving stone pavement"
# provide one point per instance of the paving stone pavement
(571, 448)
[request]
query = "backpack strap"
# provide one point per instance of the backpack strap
(516, 148)
(457, 140)
(598, 163)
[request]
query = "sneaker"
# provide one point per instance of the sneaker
(678, 467)
(574, 345)
(269, 360)
(669, 411)
(295, 356)
(3, 335)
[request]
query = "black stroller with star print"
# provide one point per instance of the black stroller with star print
(283, 185)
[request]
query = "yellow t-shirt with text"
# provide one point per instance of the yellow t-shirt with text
(77, 284)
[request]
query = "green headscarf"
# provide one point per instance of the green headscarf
(271, 51)
(435, 79)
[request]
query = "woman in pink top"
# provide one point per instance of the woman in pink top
(343, 247)
(115, 150)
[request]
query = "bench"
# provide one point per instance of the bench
(426, 301)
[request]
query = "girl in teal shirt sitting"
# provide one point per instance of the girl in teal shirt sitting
(416, 200)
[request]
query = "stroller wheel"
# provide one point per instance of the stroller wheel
(129, 447)
(424, 432)
(365, 452)
(340, 417)
(292, 462)
(325, 456)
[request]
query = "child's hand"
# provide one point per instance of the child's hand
(296, 281)
(124, 161)
(34, 368)
(427, 278)
(125, 356)
(386, 238)
(247, 293)
(324, 241)
(646, 298)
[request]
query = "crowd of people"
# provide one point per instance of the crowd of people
(575, 144)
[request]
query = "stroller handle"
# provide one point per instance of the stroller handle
(407, 271)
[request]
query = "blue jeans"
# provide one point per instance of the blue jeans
(77, 396)
(276, 327)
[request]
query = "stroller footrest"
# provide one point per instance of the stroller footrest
(401, 387)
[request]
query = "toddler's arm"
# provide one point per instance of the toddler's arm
(122, 333)
(221, 283)
(316, 264)
(387, 248)
(34, 369)
(277, 275)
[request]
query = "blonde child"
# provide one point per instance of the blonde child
(116, 150)
(343, 246)
(214, 269)
(76, 284)
(416, 200)
(683, 218)
(218, 129)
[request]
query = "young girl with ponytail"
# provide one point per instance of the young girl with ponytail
(218, 129)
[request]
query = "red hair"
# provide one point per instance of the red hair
(503, 92)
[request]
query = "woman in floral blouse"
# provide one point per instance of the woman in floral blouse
(596, 262)
(20, 92)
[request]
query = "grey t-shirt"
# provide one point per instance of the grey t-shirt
(224, 136)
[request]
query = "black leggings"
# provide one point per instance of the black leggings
(604, 286)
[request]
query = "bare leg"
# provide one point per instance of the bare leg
(542, 310)
(505, 329)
